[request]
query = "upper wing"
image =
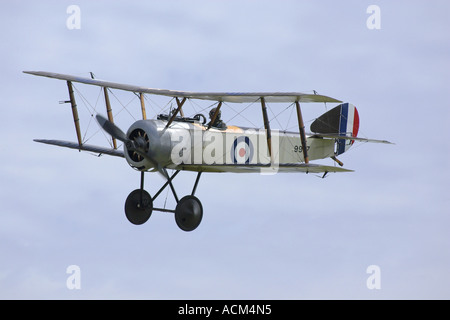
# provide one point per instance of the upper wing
(237, 97)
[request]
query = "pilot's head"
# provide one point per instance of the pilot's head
(211, 114)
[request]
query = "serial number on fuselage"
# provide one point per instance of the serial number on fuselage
(300, 148)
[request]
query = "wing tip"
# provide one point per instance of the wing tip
(84, 147)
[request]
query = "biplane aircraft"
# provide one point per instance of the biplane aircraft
(174, 141)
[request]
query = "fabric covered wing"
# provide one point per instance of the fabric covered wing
(84, 147)
(256, 168)
(234, 97)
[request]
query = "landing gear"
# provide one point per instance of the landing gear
(138, 206)
(188, 212)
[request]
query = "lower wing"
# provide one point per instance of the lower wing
(84, 147)
(248, 168)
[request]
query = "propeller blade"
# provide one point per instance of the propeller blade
(115, 132)
(111, 128)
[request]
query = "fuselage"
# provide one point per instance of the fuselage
(194, 146)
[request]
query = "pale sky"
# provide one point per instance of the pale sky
(286, 236)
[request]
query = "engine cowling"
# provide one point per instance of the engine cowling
(153, 141)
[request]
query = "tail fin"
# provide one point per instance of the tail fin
(342, 120)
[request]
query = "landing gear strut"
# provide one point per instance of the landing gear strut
(188, 212)
(139, 205)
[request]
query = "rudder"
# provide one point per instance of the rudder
(342, 120)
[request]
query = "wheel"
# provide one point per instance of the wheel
(188, 213)
(135, 212)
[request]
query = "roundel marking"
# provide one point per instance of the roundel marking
(242, 150)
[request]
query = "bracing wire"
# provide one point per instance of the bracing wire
(91, 110)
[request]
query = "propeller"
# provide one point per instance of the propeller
(112, 129)
(137, 145)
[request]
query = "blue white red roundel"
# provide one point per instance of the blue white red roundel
(242, 150)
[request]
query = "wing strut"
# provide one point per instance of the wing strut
(267, 126)
(109, 112)
(76, 120)
(301, 126)
(141, 97)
